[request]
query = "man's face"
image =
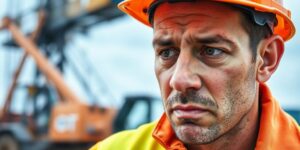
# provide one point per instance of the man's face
(204, 68)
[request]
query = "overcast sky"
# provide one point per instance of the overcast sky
(122, 53)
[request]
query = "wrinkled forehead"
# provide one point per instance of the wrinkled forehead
(172, 11)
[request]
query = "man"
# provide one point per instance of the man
(212, 59)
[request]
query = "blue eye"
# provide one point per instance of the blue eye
(168, 53)
(211, 51)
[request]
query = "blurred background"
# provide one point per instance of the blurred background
(103, 76)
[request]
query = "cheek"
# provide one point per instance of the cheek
(230, 78)
(238, 94)
(227, 85)
(215, 83)
(163, 77)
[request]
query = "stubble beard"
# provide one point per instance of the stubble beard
(198, 135)
(193, 134)
(189, 132)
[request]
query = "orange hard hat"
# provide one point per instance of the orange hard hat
(284, 27)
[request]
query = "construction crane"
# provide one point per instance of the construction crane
(59, 118)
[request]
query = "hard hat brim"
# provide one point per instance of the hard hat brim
(285, 27)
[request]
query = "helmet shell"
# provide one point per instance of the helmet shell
(285, 28)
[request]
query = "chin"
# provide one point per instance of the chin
(193, 134)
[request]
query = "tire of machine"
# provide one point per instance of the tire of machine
(8, 142)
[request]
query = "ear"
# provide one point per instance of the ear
(270, 51)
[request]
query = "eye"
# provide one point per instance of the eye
(211, 51)
(168, 53)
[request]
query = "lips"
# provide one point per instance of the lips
(188, 111)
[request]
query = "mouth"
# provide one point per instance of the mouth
(189, 111)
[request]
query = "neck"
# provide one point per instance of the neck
(242, 136)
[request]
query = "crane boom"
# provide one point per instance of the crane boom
(48, 69)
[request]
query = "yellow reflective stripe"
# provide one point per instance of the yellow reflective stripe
(139, 139)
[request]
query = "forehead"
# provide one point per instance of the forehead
(184, 12)
(201, 19)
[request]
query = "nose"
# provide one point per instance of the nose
(185, 75)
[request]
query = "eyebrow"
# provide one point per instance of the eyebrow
(203, 40)
(162, 42)
(216, 39)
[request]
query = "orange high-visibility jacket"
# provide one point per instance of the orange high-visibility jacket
(277, 131)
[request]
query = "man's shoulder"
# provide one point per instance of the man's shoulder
(140, 138)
